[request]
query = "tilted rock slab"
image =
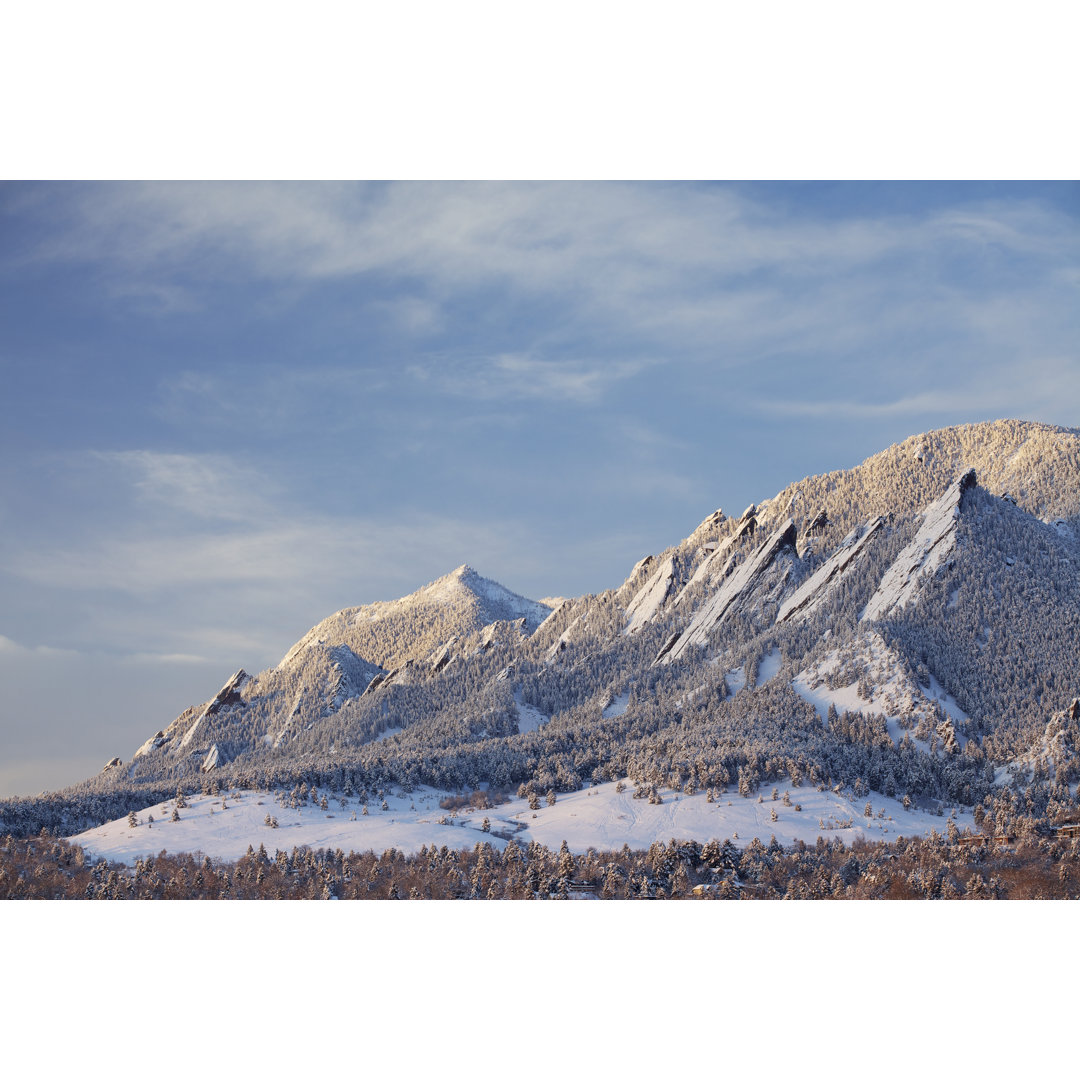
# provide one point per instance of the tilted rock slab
(809, 595)
(730, 593)
(924, 556)
(229, 694)
(650, 597)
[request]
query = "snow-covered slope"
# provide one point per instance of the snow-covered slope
(868, 677)
(602, 817)
(330, 666)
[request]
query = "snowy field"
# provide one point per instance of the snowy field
(598, 817)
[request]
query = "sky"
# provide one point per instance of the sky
(232, 409)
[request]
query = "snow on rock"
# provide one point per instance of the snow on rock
(1054, 755)
(228, 695)
(555, 612)
(155, 740)
(714, 564)
(924, 556)
(404, 675)
(731, 592)
(816, 524)
(668, 645)
(349, 674)
(375, 682)
(808, 597)
(573, 629)
(502, 633)
(442, 656)
(650, 598)
(707, 529)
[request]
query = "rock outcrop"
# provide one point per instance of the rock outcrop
(714, 565)
(442, 656)
(924, 556)
(731, 593)
(650, 597)
(228, 695)
(821, 583)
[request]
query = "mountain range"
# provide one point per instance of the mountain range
(908, 627)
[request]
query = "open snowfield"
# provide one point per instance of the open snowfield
(769, 667)
(530, 718)
(893, 693)
(598, 817)
(617, 706)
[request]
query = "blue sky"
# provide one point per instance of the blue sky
(232, 409)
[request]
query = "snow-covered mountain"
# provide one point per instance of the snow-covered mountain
(909, 626)
(393, 633)
(349, 654)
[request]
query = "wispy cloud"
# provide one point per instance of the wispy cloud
(206, 521)
(212, 486)
(275, 397)
(701, 271)
(153, 658)
(932, 402)
(11, 648)
(310, 553)
(521, 376)
(1027, 389)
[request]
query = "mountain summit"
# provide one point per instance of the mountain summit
(391, 633)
